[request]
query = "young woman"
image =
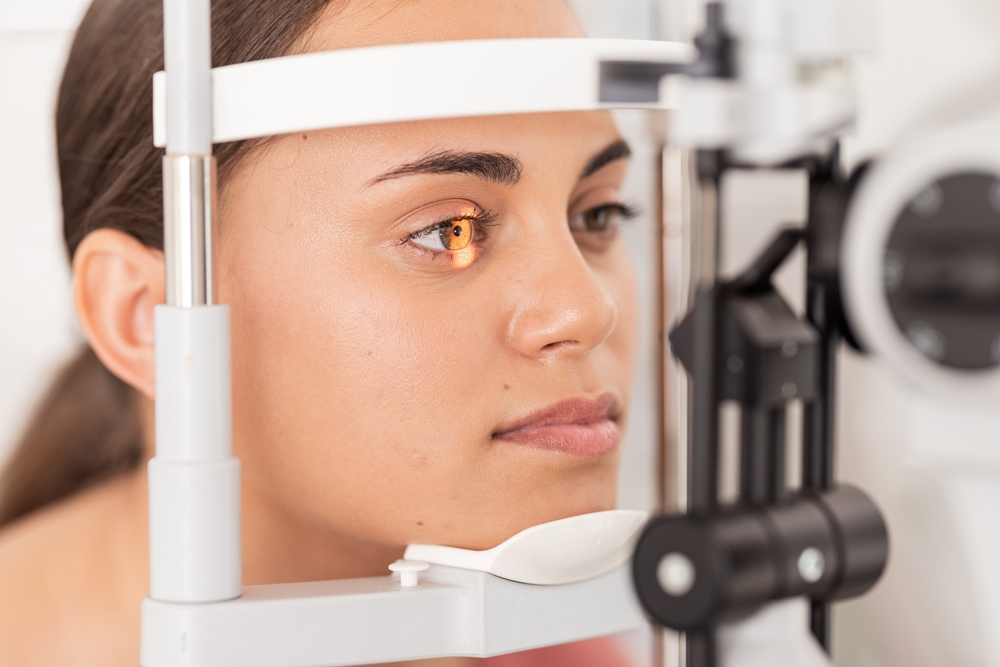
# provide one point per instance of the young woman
(433, 327)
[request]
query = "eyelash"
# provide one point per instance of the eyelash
(626, 211)
(630, 211)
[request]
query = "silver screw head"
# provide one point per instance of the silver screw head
(676, 574)
(811, 565)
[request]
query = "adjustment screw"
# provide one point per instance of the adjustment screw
(789, 390)
(790, 348)
(811, 565)
(676, 574)
(408, 571)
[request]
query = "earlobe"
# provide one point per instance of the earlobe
(116, 283)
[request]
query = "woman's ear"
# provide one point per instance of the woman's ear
(116, 282)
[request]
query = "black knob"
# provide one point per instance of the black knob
(695, 571)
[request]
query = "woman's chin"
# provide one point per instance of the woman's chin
(504, 528)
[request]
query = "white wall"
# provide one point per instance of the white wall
(38, 330)
(41, 15)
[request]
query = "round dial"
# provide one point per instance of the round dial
(942, 271)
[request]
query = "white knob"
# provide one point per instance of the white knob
(408, 571)
(676, 574)
(811, 565)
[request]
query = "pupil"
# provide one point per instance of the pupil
(457, 231)
(597, 221)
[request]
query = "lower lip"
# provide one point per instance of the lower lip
(597, 438)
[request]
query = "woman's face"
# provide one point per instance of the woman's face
(433, 322)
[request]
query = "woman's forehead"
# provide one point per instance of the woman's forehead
(359, 23)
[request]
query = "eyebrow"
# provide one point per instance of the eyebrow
(494, 167)
(619, 150)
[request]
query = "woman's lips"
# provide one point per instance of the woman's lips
(578, 426)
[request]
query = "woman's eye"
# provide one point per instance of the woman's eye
(452, 235)
(599, 219)
(603, 219)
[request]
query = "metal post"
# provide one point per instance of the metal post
(762, 465)
(677, 176)
(827, 200)
(703, 449)
(188, 206)
(194, 481)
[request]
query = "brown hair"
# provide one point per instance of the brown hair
(87, 427)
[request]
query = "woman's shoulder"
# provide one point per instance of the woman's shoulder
(63, 572)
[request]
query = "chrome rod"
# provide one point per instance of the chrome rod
(189, 192)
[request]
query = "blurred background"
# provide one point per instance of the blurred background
(928, 52)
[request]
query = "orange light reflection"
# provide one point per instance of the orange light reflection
(463, 258)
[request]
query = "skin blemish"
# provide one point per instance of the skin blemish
(506, 387)
(420, 523)
(305, 137)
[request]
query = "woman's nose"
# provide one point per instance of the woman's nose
(562, 310)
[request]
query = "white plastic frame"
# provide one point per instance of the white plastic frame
(409, 82)
(453, 612)
(893, 182)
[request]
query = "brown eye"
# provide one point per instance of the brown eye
(596, 228)
(602, 220)
(599, 219)
(457, 234)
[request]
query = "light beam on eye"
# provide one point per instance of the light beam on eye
(463, 258)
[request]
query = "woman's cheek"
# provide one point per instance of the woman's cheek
(411, 358)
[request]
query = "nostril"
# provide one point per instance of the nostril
(560, 345)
